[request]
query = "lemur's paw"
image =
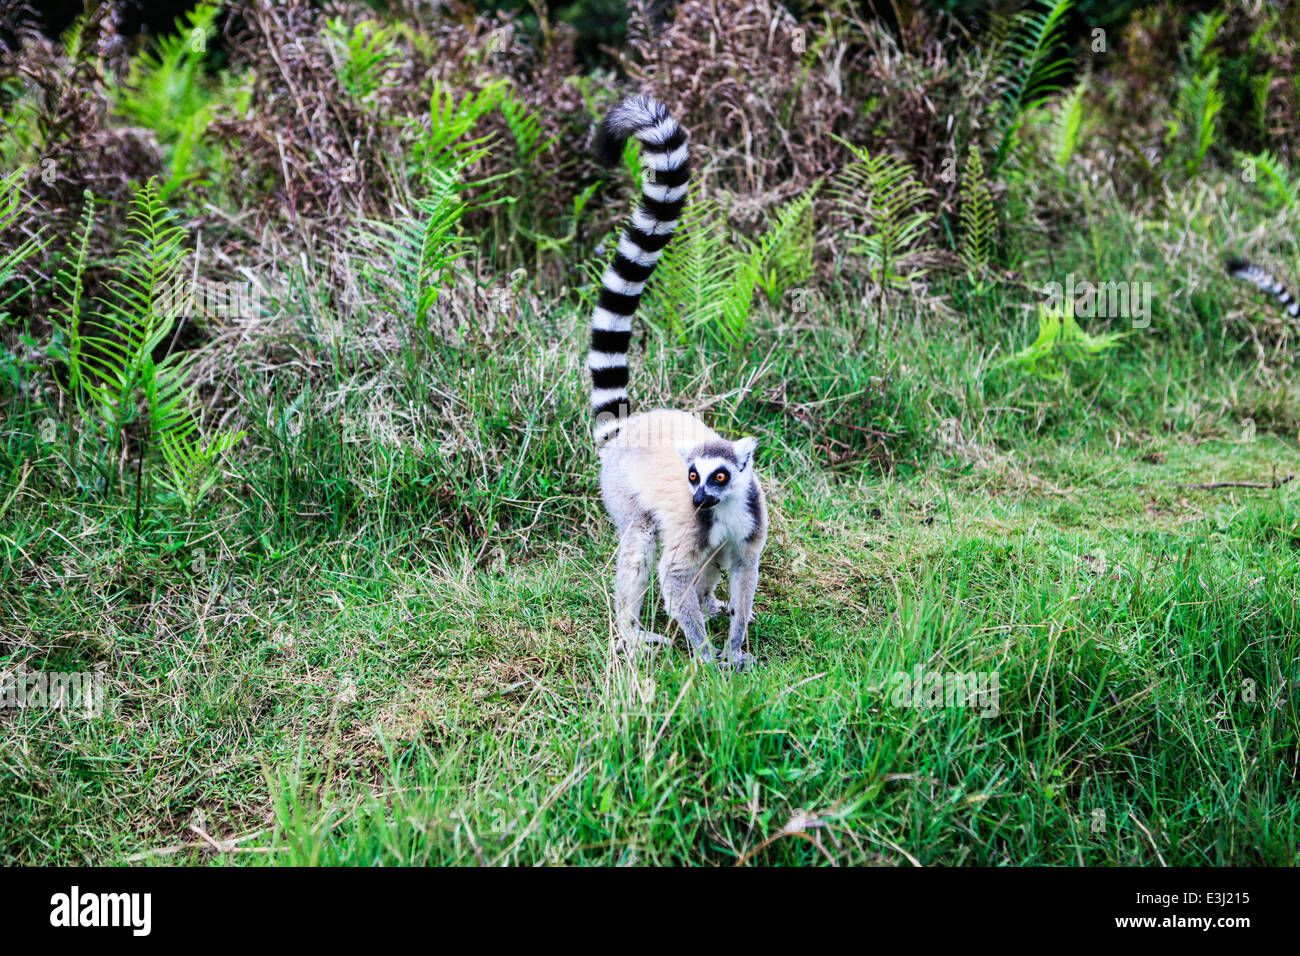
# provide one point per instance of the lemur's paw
(737, 661)
(705, 654)
(713, 607)
(630, 644)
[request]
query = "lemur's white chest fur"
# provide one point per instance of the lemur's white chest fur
(731, 525)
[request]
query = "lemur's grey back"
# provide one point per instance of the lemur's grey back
(665, 161)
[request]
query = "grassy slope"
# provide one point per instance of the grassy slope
(351, 701)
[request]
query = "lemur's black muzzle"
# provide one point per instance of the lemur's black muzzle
(703, 499)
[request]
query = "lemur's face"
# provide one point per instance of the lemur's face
(715, 470)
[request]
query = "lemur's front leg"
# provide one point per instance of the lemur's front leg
(682, 602)
(706, 588)
(742, 584)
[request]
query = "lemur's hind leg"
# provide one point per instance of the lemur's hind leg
(636, 555)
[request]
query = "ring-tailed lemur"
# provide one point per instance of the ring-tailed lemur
(666, 478)
(1241, 269)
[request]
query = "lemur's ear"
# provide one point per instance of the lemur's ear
(744, 449)
(684, 449)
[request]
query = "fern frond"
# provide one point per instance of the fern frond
(1060, 339)
(362, 56)
(12, 207)
(695, 274)
(525, 129)
(783, 256)
(166, 90)
(978, 217)
(881, 193)
(167, 394)
(444, 146)
(1199, 104)
(192, 467)
(140, 312)
(1068, 125)
(68, 291)
(1260, 85)
(1200, 38)
(1030, 71)
(416, 253)
(116, 368)
(1198, 100)
(1273, 179)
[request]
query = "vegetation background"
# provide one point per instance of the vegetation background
(294, 450)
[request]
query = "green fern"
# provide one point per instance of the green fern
(67, 344)
(1260, 85)
(525, 129)
(1200, 55)
(1199, 99)
(193, 467)
(632, 159)
(363, 55)
(881, 193)
(1068, 126)
(694, 277)
(16, 277)
(20, 119)
(556, 244)
(1273, 179)
(1029, 70)
(444, 145)
(12, 208)
(771, 262)
(782, 257)
(142, 310)
(167, 91)
(416, 253)
(528, 193)
(1199, 104)
(706, 281)
(978, 215)
(127, 387)
(1060, 340)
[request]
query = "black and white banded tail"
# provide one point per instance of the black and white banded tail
(1241, 269)
(665, 164)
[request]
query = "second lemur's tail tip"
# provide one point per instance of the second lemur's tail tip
(1264, 280)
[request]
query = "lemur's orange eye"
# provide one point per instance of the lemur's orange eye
(720, 477)
(694, 476)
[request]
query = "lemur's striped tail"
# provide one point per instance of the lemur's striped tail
(665, 163)
(1241, 269)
